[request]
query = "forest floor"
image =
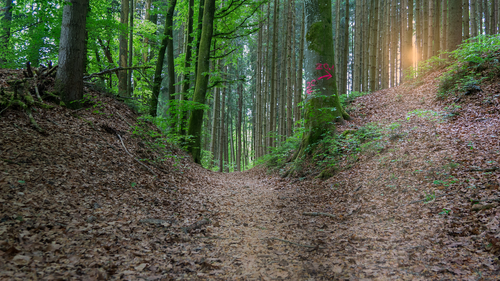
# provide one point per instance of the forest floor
(76, 204)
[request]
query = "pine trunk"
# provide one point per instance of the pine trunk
(430, 51)
(455, 28)
(300, 88)
(437, 29)
(272, 102)
(290, 67)
(373, 45)
(196, 118)
(357, 48)
(122, 77)
(444, 44)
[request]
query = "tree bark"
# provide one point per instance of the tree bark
(69, 77)
(221, 135)
(186, 77)
(272, 102)
(455, 28)
(425, 30)
(466, 19)
(373, 45)
(323, 108)
(238, 127)
(166, 44)
(444, 40)
(122, 62)
(130, 48)
(430, 39)
(196, 118)
(6, 20)
(299, 91)
(289, 92)
(357, 48)
(437, 29)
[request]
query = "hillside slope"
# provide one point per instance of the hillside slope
(76, 204)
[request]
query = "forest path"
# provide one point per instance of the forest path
(398, 214)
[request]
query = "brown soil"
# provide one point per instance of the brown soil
(76, 205)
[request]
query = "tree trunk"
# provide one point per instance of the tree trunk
(293, 94)
(69, 78)
(418, 33)
(196, 118)
(165, 43)
(147, 17)
(373, 45)
(186, 78)
(6, 22)
(473, 17)
(366, 46)
(259, 87)
(394, 44)
(466, 20)
(272, 102)
(130, 48)
(299, 91)
(455, 28)
(221, 135)
(409, 35)
(486, 11)
(437, 29)
(122, 79)
(320, 76)
(444, 40)
(357, 48)
(425, 30)
(238, 127)
(216, 121)
(430, 51)
(289, 92)
(346, 50)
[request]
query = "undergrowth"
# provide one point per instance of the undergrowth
(475, 61)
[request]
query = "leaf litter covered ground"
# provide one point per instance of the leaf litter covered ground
(75, 204)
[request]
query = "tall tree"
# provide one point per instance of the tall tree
(290, 68)
(272, 102)
(373, 44)
(473, 17)
(238, 127)
(299, 91)
(166, 45)
(196, 118)
(320, 75)
(430, 51)
(455, 27)
(122, 76)
(466, 19)
(6, 22)
(69, 77)
(186, 80)
(130, 48)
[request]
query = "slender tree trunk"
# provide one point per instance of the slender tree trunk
(196, 119)
(366, 46)
(444, 44)
(492, 17)
(437, 29)
(216, 121)
(345, 49)
(226, 142)
(479, 6)
(272, 102)
(357, 48)
(300, 90)
(222, 137)
(409, 35)
(238, 127)
(394, 44)
(259, 87)
(473, 17)
(122, 79)
(418, 33)
(387, 38)
(430, 51)
(455, 28)
(486, 11)
(268, 83)
(130, 48)
(6, 22)
(147, 17)
(373, 45)
(289, 87)
(166, 41)
(186, 78)
(466, 19)
(293, 94)
(425, 30)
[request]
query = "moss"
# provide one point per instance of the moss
(314, 36)
(327, 173)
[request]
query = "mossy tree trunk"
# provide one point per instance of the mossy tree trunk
(167, 40)
(323, 108)
(196, 118)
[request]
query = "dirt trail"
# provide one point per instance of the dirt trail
(389, 222)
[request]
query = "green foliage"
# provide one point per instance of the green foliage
(474, 61)
(346, 99)
(429, 197)
(430, 115)
(347, 146)
(424, 67)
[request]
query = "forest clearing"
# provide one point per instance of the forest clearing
(249, 140)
